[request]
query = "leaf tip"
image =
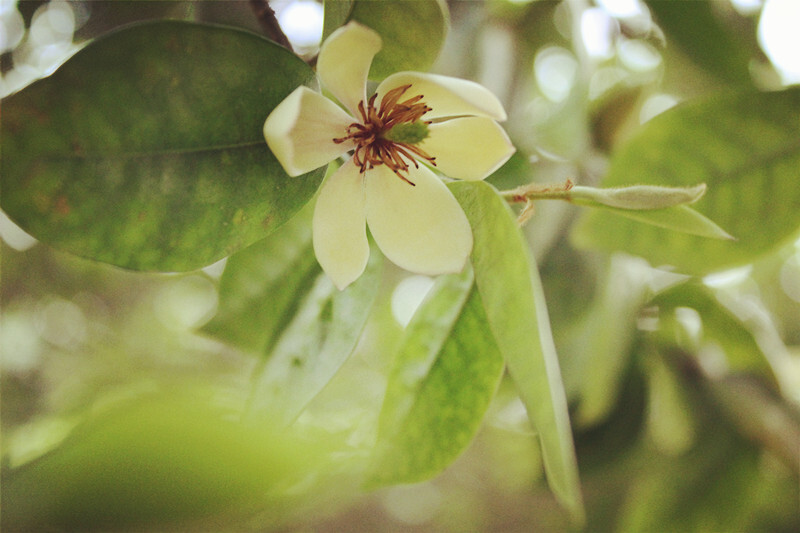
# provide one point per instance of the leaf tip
(696, 192)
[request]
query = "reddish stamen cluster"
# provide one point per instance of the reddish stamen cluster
(372, 148)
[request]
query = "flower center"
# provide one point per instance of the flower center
(387, 135)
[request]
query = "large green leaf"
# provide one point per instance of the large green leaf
(444, 376)
(413, 32)
(262, 285)
(147, 464)
(321, 330)
(145, 149)
(509, 285)
(275, 301)
(745, 147)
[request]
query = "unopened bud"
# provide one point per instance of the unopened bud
(641, 197)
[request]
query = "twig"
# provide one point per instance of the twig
(535, 191)
(538, 191)
(266, 17)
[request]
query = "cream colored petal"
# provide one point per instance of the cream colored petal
(446, 96)
(301, 129)
(468, 148)
(421, 228)
(344, 60)
(339, 226)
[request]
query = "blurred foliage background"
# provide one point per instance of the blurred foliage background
(120, 412)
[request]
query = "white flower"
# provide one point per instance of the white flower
(413, 120)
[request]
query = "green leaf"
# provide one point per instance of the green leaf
(720, 336)
(700, 33)
(509, 285)
(143, 463)
(671, 426)
(745, 147)
(314, 342)
(262, 285)
(145, 149)
(444, 376)
(599, 349)
(680, 218)
(274, 300)
(336, 13)
(720, 483)
(413, 33)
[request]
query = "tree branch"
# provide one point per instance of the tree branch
(266, 17)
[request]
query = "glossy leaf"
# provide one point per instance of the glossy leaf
(745, 147)
(413, 32)
(145, 149)
(509, 285)
(320, 331)
(444, 376)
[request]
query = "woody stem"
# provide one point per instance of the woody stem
(269, 23)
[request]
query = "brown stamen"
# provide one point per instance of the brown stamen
(372, 148)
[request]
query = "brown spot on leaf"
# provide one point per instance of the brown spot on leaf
(61, 206)
(173, 45)
(42, 117)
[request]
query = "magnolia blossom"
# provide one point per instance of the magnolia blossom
(413, 121)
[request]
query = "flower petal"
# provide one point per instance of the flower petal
(344, 60)
(446, 96)
(421, 228)
(339, 227)
(468, 148)
(301, 129)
